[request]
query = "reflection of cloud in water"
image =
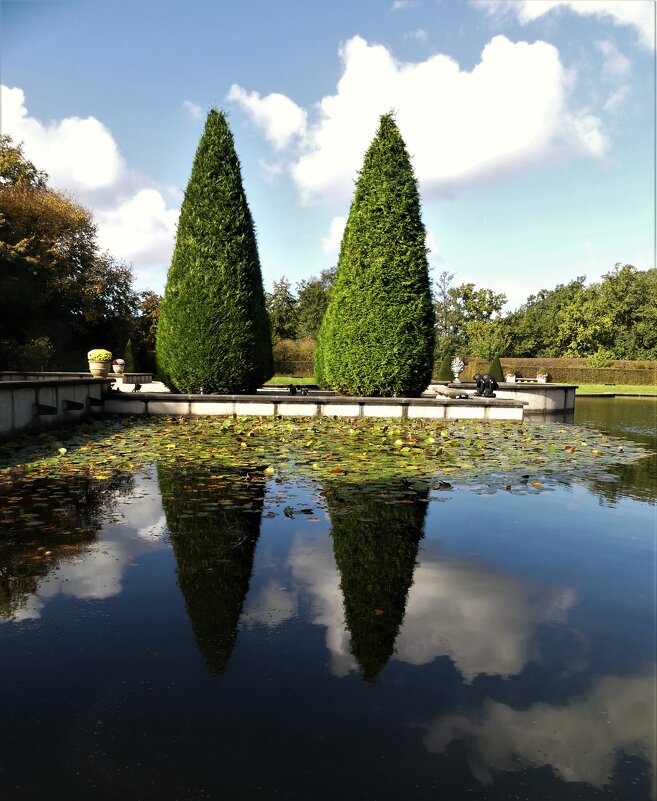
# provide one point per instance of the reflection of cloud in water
(271, 606)
(483, 619)
(97, 573)
(581, 741)
(312, 563)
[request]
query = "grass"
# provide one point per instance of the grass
(291, 379)
(618, 389)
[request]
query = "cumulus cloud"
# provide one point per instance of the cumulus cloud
(331, 242)
(512, 109)
(278, 117)
(581, 741)
(192, 109)
(637, 14)
(419, 34)
(616, 65)
(141, 229)
(81, 156)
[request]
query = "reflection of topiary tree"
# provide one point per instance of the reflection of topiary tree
(49, 521)
(376, 533)
(214, 527)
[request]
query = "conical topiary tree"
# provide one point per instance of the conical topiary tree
(495, 370)
(377, 336)
(213, 333)
(445, 372)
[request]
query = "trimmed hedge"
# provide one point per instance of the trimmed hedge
(213, 333)
(495, 370)
(566, 371)
(377, 335)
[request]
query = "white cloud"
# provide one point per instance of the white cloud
(580, 741)
(461, 127)
(142, 229)
(195, 111)
(637, 14)
(616, 65)
(616, 99)
(279, 118)
(433, 255)
(399, 5)
(332, 241)
(80, 156)
(420, 35)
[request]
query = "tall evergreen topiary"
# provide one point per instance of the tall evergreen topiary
(377, 336)
(213, 333)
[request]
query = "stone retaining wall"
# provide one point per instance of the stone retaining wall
(35, 405)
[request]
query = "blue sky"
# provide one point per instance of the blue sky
(531, 125)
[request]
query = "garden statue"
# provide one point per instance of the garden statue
(457, 366)
(490, 384)
(479, 381)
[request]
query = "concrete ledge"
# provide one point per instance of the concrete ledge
(538, 397)
(285, 405)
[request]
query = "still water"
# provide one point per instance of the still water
(173, 635)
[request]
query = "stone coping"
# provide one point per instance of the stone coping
(53, 382)
(322, 398)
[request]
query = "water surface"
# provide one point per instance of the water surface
(178, 634)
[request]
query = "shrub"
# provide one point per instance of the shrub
(445, 372)
(377, 335)
(495, 370)
(213, 333)
(601, 358)
(129, 357)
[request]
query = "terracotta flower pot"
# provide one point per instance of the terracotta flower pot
(99, 369)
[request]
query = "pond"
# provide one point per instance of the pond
(179, 629)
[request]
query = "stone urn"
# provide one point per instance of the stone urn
(99, 369)
(119, 369)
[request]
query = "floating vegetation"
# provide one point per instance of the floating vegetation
(490, 455)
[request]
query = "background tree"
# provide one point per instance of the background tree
(55, 282)
(534, 327)
(466, 317)
(313, 298)
(377, 336)
(213, 332)
(282, 307)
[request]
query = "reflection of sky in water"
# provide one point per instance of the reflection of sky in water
(580, 741)
(500, 580)
(97, 572)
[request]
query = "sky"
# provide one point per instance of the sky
(530, 124)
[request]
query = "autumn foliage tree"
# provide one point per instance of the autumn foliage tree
(55, 282)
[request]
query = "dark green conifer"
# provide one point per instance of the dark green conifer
(495, 370)
(213, 332)
(377, 336)
(445, 373)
